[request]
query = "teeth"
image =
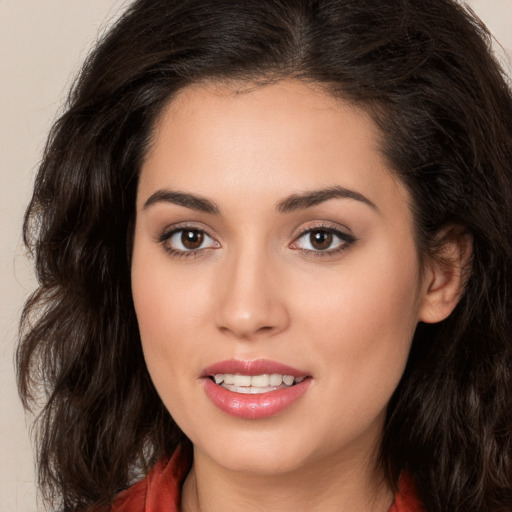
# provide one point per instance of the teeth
(288, 379)
(242, 380)
(260, 381)
(229, 378)
(255, 383)
(275, 379)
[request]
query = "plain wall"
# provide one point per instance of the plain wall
(42, 43)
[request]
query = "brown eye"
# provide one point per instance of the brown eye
(187, 240)
(320, 239)
(192, 239)
(323, 241)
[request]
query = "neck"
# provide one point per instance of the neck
(339, 484)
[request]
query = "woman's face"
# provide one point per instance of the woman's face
(272, 239)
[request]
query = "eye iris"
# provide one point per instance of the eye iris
(192, 239)
(320, 239)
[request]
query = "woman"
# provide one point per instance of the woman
(273, 240)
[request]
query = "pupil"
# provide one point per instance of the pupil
(192, 239)
(321, 239)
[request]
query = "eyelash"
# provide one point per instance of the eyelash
(345, 241)
(179, 253)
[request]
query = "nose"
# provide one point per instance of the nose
(251, 301)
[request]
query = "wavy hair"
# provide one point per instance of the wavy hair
(425, 72)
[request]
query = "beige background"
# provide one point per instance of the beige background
(42, 43)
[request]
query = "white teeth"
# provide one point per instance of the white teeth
(275, 379)
(260, 381)
(288, 379)
(229, 378)
(256, 383)
(242, 380)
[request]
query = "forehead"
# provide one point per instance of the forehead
(286, 137)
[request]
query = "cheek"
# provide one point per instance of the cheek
(167, 323)
(167, 305)
(363, 319)
(169, 308)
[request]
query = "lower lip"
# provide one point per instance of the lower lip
(256, 406)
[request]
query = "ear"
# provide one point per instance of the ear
(445, 274)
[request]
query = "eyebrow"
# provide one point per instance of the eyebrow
(191, 201)
(315, 197)
(289, 204)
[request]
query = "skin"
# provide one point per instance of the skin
(257, 288)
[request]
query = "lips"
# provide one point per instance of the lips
(254, 389)
(254, 367)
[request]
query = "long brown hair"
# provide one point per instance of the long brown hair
(425, 72)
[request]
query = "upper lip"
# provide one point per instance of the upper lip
(253, 367)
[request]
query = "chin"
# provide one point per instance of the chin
(256, 453)
(259, 461)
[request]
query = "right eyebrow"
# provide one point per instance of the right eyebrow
(191, 201)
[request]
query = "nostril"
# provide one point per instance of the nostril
(251, 316)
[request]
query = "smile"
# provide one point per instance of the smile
(254, 389)
(255, 384)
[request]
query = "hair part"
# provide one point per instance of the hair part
(426, 75)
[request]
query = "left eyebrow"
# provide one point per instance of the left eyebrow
(315, 197)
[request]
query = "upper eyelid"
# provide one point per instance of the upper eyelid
(327, 225)
(342, 235)
(179, 226)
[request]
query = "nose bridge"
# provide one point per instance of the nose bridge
(249, 304)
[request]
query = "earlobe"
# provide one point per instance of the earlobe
(445, 275)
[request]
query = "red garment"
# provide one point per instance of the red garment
(160, 491)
